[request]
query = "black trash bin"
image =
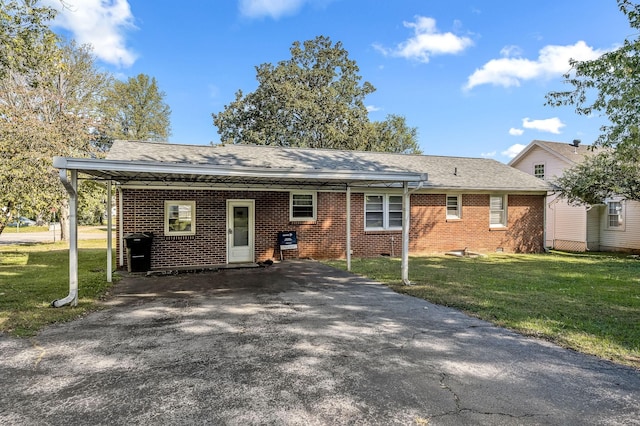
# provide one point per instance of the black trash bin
(139, 251)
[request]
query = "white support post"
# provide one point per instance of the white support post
(348, 195)
(120, 231)
(109, 234)
(406, 218)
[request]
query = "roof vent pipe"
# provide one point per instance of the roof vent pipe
(576, 142)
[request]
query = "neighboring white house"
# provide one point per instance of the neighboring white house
(612, 226)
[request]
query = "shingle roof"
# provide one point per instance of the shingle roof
(443, 172)
(567, 151)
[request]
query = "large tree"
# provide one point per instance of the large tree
(135, 109)
(313, 100)
(49, 96)
(608, 86)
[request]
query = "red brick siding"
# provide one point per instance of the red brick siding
(325, 238)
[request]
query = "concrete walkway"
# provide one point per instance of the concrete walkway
(298, 343)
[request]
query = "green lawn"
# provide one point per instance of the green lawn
(32, 276)
(586, 302)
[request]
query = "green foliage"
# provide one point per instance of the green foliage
(587, 302)
(614, 83)
(313, 100)
(45, 112)
(135, 110)
(602, 176)
(609, 86)
(25, 38)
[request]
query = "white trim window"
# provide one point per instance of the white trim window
(538, 171)
(615, 215)
(179, 217)
(382, 211)
(498, 211)
(454, 206)
(302, 206)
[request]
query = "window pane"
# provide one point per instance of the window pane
(395, 203)
(452, 206)
(302, 205)
(374, 203)
(179, 218)
(240, 226)
(497, 218)
(302, 199)
(538, 171)
(395, 219)
(374, 220)
(496, 203)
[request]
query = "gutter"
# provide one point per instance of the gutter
(72, 189)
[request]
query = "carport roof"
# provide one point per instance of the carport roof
(233, 165)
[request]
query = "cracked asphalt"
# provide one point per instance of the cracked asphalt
(298, 343)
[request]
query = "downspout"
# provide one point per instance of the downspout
(406, 218)
(72, 189)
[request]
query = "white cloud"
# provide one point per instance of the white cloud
(426, 42)
(373, 108)
(551, 125)
(271, 8)
(513, 150)
(509, 71)
(515, 132)
(488, 154)
(103, 24)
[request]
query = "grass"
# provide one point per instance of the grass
(32, 276)
(24, 229)
(586, 302)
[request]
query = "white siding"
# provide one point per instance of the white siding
(565, 224)
(624, 239)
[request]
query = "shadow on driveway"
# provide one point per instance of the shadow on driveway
(298, 343)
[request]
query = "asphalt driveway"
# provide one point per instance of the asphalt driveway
(298, 343)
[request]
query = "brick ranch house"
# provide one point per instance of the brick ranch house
(225, 204)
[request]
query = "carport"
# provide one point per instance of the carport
(149, 173)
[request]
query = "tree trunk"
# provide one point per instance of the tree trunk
(64, 221)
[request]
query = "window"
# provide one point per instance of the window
(498, 210)
(383, 211)
(615, 218)
(302, 206)
(538, 171)
(179, 217)
(453, 207)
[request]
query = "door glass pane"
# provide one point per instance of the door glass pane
(240, 226)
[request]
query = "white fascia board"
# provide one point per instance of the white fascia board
(106, 166)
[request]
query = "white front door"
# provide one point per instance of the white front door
(240, 231)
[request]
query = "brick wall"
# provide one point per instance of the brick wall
(143, 211)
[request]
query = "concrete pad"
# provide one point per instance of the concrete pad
(298, 343)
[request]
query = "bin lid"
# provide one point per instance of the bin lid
(139, 236)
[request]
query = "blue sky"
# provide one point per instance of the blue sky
(471, 75)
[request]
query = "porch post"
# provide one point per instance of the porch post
(406, 218)
(109, 234)
(348, 228)
(120, 232)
